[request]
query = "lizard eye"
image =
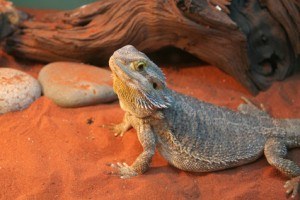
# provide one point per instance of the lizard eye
(140, 65)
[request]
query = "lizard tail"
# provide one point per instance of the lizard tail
(292, 131)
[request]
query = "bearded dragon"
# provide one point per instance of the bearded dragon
(193, 135)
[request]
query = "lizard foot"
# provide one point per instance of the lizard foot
(249, 108)
(248, 102)
(292, 186)
(123, 170)
(117, 129)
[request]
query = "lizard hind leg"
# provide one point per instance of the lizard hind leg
(250, 109)
(275, 152)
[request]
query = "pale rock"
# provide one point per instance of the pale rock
(17, 90)
(71, 84)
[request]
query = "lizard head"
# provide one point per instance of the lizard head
(137, 80)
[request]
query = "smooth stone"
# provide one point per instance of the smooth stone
(71, 84)
(17, 90)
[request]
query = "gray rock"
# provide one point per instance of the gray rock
(74, 84)
(17, 90)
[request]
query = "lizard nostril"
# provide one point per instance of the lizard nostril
(154, 85)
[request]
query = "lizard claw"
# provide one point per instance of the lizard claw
(123, 170)
(292, 186)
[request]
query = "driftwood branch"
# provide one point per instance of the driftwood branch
(10, 17)
(91, 34)
(272, 28)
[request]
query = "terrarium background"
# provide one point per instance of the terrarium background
(51, 4)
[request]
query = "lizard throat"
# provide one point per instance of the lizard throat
(130, 97)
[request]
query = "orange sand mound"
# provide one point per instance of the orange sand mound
(48, 152)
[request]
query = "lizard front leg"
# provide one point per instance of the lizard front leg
(142, 163)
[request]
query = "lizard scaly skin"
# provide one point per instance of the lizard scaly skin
(193, 135)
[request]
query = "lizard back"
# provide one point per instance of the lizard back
(214, 136)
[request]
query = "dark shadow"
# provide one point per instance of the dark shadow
(175, 57)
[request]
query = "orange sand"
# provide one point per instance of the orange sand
(48, 152)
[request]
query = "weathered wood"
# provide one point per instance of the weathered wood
(9, 18)
(91, 34)
(4, 26)
(273, 33)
